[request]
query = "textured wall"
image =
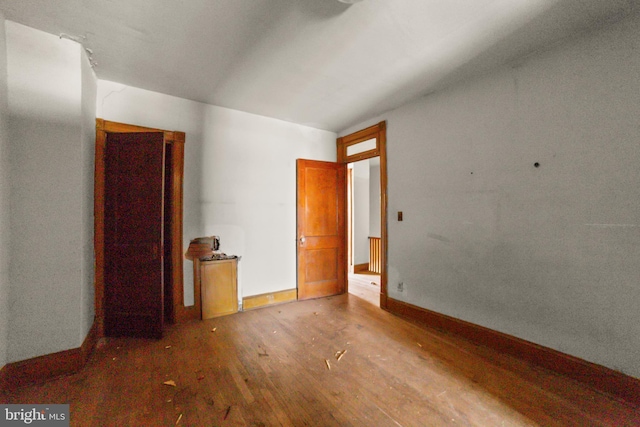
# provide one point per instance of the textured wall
(88, 148)
(50, 248)
(240, 178)
(5, 228)
(361, 212)
(374, 198)
(550, 253)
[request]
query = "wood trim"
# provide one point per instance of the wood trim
(89, 343)
(176, 142)
(372, 132)
(197, 291)
(384, 242)
(349, 221)
(98, 214)
(177, 166)
(115, 127)
(4, 380)
(596, 376)
(359, 268)
(271, 298)
(363, 134)
(363, 156)
(42, 368)
(378, 131)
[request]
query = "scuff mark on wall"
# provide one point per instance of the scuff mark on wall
(438, 237)
(612, 225)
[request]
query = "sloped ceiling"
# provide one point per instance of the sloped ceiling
(320, 63)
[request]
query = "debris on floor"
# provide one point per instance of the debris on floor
(179, 418)
(171, 383)
(339, 354)
(328, 364)
(226, 415)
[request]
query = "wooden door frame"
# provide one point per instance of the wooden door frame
(349, 221)
(379, 133)
(176, 141)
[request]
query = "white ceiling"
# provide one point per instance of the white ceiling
(320, 63)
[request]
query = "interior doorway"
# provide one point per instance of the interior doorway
(171, 305)
(364, 239)
(367, 144)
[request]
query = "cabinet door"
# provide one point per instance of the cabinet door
(219, 288)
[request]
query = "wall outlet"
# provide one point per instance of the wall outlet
(400, 286)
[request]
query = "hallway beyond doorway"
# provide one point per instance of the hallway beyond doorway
(365, 285)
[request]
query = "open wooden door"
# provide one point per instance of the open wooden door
(133, 232)
(321, 229)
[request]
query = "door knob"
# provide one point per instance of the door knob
(302, 240)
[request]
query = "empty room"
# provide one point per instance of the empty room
(320, 212)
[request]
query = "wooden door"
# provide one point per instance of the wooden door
(321, 229)
(134, 177)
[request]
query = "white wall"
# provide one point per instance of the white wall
(361, 212)
(374, 197)
(248, 194)
(548, 254)
(125, 104)
(5, 229)
(89, 87)
(50, 264)
(240, 178)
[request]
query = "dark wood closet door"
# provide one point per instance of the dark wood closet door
(134, 177)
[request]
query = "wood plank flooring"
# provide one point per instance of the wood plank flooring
(366, 286)
(268, 367)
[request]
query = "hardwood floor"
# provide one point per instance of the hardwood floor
(268, 367)
(366, 285)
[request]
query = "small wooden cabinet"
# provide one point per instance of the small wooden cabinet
(219, 287)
